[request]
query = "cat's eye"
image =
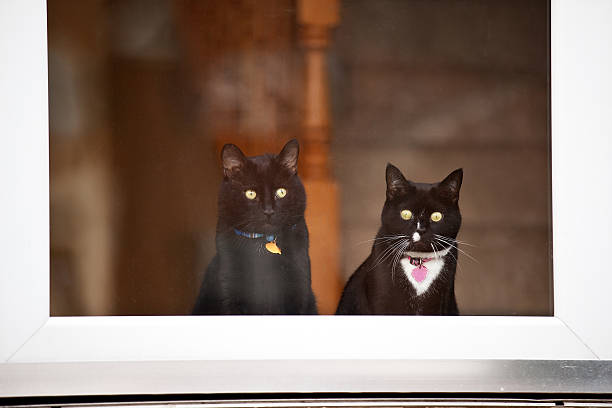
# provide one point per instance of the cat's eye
(281, 192)
(250, 194)
(406, 214)
(436, 216)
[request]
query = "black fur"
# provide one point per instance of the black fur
(379, 285)
(243, 277)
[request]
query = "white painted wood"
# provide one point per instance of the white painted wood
(141, 355)
(301, 337)
(582, 168)
(24, 176)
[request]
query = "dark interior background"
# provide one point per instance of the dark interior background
(143, 92)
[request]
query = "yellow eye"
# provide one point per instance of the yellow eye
(437, 216)
(406, 214)
(281, 192)
(250, 194)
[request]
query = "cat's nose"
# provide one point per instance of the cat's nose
(420, 228)
(268, 211)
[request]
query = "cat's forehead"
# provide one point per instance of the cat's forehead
(422, 196)
(264, 169)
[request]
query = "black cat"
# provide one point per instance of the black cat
(262, 264)
(411, 269)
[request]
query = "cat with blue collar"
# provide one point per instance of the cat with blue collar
(262, 264)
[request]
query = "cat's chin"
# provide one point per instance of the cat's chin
(419, 247)
(268, 228)
(261, 228)
(425, 253)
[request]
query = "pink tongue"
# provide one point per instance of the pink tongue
(419, 273)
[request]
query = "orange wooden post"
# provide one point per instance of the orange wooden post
(316, 19)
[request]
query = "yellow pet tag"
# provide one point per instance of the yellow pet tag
(272, 247)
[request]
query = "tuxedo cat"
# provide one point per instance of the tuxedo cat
(262, 264)
(411, 269)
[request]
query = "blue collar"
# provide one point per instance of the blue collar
(269, 238)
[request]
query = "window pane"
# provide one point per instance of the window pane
(144, 94)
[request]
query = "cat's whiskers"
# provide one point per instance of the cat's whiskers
(397, 253)
(385, 238)
(455, 240)
(455, 258)
(444, 246)
(458, 249)
(435, 244)
(397, 258)
(391, 249)
(462, 251)
(434, 249)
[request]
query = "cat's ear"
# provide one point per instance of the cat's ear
(450, 186)
(396, 182)
(288, 157)
(233, 160)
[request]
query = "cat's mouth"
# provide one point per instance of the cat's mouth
(268, 228)
(420, 246)
(423, 251)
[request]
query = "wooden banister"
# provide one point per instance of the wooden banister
(316, 19)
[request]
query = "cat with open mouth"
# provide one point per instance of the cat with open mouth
(411, 269)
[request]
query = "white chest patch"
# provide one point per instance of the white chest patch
(434, 267)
